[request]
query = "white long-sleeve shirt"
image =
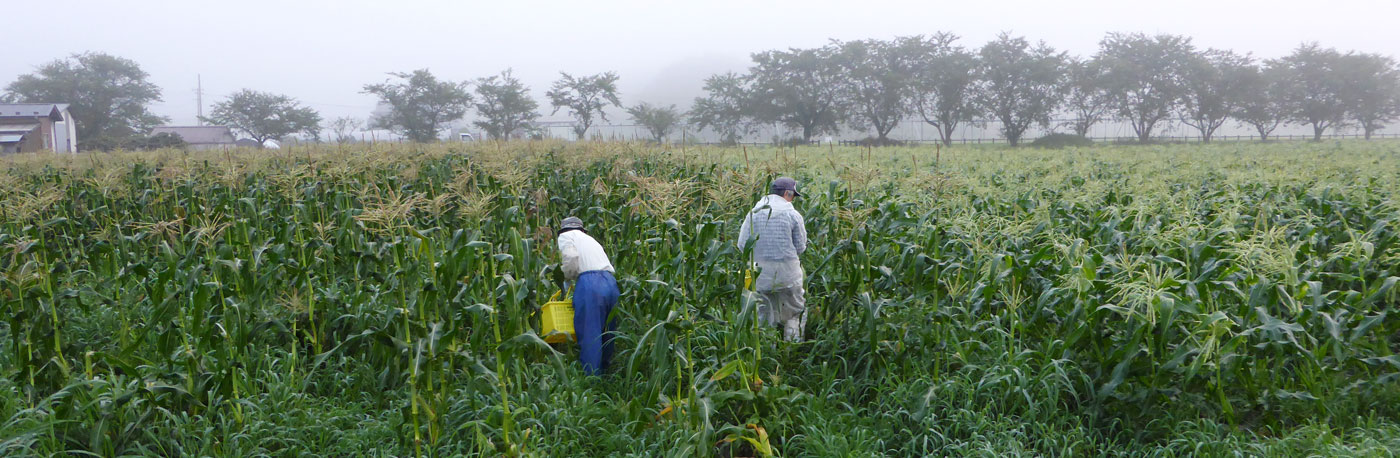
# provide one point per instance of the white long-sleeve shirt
(579, 253)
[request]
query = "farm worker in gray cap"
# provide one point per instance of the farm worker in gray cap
(595, 293)
(779, 235)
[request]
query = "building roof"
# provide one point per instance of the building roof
(33, 110)
(18, 128)
(9, 138)
(199, 135)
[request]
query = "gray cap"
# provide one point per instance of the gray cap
(784, 184)
(572, 222)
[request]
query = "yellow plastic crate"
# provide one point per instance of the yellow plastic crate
(557, 317)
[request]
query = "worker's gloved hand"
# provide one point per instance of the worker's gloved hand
(556, 275)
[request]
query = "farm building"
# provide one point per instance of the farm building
(33, 127)
(200, 137)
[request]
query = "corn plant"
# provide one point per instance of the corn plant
(384, 300)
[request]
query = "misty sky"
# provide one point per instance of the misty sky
(322, 52)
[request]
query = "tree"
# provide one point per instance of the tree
(1212, 80)
(1371, 89)
(724, 108)
(1020, 84)
(1085, 96)
(264, 116)
(343, 128)
(660, 121)
(942, 83)
(799, 88)
(420, 106)
(1259, 99)
(163, 140)
(1143, 75)
(158, 141)
(585, 97)
(1313, 92)
(108, 96)
(504, 105)
(876, 88)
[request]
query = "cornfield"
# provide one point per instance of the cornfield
(1116, 300)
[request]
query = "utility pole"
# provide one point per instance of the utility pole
(199, 97)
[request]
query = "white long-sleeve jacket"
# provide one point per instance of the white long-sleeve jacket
(580, 253)
(781, 235)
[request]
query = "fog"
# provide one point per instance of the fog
(322, 52)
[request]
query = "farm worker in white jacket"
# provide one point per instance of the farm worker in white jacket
(779, 235)
(595, 293)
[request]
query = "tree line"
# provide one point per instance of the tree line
(110, 100)
(869, 86)
(1145, 80)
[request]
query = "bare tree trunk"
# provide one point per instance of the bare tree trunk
(945, 132)
(1318, 128)
(1143, 130)
(884, 132)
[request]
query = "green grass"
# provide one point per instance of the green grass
(1112, 300)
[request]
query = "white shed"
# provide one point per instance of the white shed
(44, 126)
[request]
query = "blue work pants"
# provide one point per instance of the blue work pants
(595, 294)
